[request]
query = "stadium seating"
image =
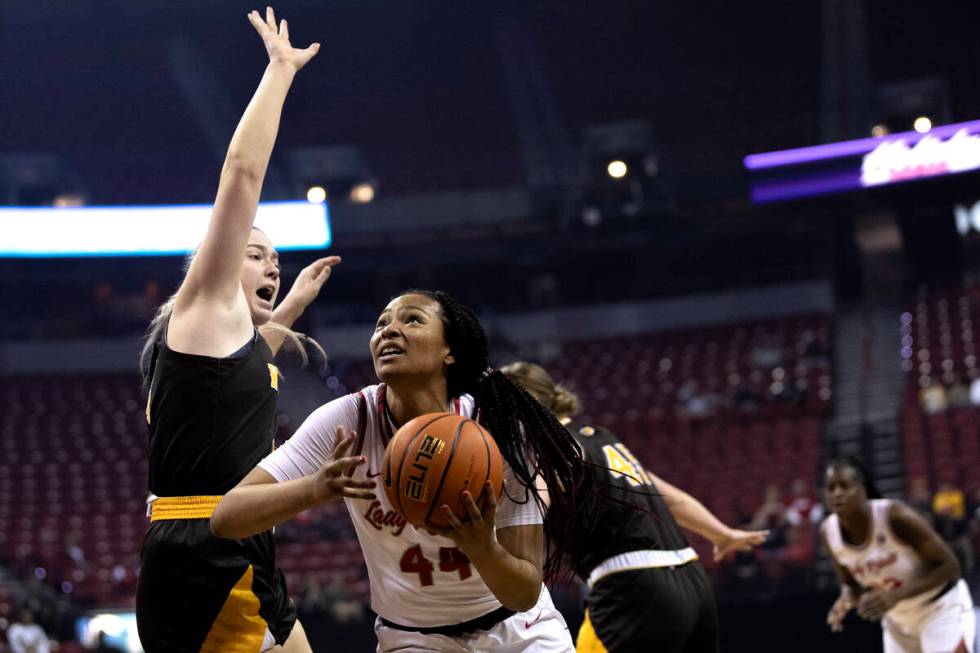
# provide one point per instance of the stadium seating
(938, 347)
(73, 449)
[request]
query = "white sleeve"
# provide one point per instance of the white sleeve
(516, 506)
(313, 442)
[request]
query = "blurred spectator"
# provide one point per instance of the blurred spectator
(815, 353)
(74, 551)
(975, 392)
(341, 604)
(933, 398)
(802, 508)
(311, 596)
(25, 636)
(695, 404)
(952, 523)
(920, 497)
(767, 356)
(104, 646)
(959, 393)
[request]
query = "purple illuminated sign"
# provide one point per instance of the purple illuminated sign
(843, 149)
(822, 169)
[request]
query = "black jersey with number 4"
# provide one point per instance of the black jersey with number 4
(211, 419)
(619, 528)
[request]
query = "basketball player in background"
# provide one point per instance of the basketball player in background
(894, 568)
(647, 591)
(479, 585)
(212, 401)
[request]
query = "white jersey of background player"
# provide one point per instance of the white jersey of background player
(894, 567)
(423, 587)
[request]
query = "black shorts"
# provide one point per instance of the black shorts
(668, 610)
(199, 593)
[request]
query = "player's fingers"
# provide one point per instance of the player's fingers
(270, 19)
(351, 493)
(472, 509)
(342, 464)
(328, 261)
(310, 52)
(257, 22)
(283, 29)
(347, 481)
(344, 442)
(757, 538)
(321, 277)
(491, 497)
(451, 518)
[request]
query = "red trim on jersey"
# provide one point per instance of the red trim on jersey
(361, 427)
(384, 419)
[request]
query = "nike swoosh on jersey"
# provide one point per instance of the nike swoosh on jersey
(528, 624)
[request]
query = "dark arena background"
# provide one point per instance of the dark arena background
(746, 234)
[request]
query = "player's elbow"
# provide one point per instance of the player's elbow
(243, 169)
(524, 600)
(222, 523)
(953, 569)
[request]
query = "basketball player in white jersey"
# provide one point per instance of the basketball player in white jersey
(894, 568)
(477, 586)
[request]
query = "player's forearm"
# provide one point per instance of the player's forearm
(251, 145)
(251, 509)
(285, 315)
(515, 582)
(691, 513)
(287, 312)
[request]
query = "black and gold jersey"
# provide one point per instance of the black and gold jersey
(211, 420)
(635, 519)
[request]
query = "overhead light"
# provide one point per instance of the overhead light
(616, 169)
(68, 200)
(922, 124)
(362, 193)
(316, 195)
(879, 130)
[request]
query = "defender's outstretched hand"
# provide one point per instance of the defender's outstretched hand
(736, 540)
(276, 40)
(311, 279)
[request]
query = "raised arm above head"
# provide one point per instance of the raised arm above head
(211, 307)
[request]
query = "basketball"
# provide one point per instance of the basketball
(432, 460)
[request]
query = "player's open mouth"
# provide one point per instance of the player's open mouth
(266, 293)
(389, 352)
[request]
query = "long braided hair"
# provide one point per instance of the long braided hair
(530, 437)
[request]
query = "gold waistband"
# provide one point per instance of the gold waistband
(183, 507)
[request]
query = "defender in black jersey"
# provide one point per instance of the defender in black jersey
(210, 420)
(211, 405)
(647, 590)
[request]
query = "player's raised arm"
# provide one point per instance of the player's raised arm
(214, 273)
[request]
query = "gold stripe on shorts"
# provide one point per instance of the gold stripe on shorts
(238, 628)
(183, 507)
(588, 641)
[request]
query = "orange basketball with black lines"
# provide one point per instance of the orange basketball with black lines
(432, 460)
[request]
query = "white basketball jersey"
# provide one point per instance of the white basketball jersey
(416, 579)
(883, 561)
